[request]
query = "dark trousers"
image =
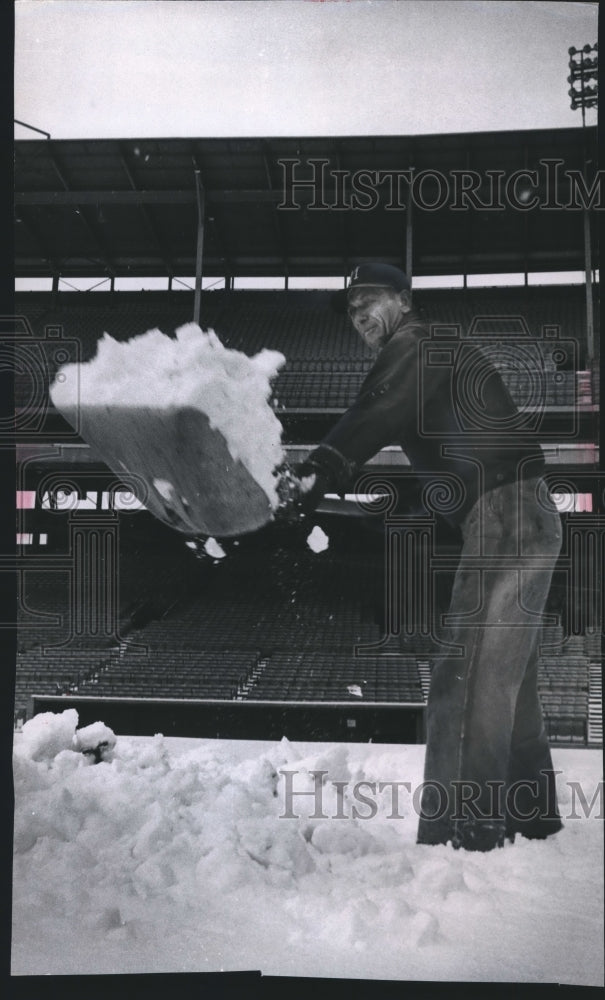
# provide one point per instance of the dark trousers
(488, 769)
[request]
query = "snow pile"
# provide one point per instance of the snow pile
(44, 736)
(196, 370)
(95, 741)
(178, 855)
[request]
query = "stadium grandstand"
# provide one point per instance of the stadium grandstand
(115, 609)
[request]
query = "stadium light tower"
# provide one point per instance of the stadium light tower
(584, 78)
(584, 93)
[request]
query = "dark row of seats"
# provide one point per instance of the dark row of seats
(301, 315)
(563, 683)
(301, 324)
(315, 676)
(334, 677)
(338, 390)
(567, 731)
(275, 608)
(295, 390)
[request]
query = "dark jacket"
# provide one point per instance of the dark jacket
(448, 409)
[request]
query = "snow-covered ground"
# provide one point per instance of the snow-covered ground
(174, 855)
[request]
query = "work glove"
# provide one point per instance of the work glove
(303, 487)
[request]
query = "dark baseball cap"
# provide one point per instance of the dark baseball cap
(370, 276)
(379, 276)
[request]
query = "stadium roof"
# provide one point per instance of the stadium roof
(128, 207)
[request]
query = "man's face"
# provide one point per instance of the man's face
(376, 313)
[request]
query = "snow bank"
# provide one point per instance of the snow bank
(177, 855)
(44, 736)
(194, 369)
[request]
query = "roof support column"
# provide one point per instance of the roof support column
(590, 347)
(199, 190)
(409, 244)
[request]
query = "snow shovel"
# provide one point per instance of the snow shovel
(190, 480)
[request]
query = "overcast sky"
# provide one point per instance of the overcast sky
(108, 68)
